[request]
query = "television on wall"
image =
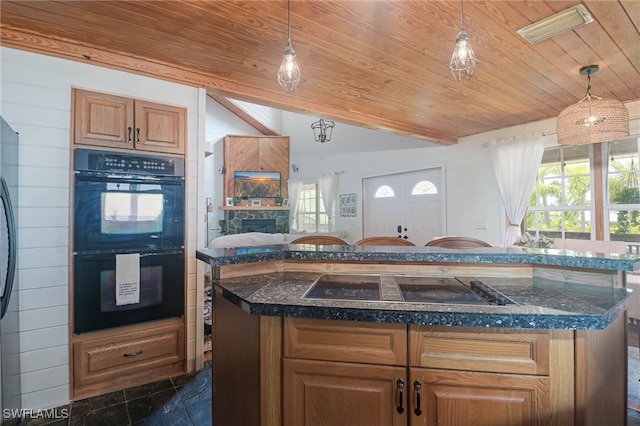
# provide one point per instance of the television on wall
(248, 184)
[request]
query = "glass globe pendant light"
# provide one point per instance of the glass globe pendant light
(289, 72)
(463, 62)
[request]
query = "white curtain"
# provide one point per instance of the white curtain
(516, 161)
(328, 186)
(295, 187)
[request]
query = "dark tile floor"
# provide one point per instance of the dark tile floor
(180, 401)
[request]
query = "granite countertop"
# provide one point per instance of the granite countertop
(419, 254)
(536, 303)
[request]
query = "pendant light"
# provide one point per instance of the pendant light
(289, 72)
(592, 119)
(322, 130)
(463, 62)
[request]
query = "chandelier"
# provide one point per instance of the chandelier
(322, 130)
(289, 72)
(592, 119)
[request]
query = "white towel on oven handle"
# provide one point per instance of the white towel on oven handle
(127, 279)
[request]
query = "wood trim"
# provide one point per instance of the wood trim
(242, 114)
(271, 371)
(598, 188)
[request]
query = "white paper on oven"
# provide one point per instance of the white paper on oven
(127, 279)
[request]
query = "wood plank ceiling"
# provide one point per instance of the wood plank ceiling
(376, 64)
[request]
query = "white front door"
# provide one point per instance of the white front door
(407, 205)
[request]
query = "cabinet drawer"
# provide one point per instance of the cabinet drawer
(115, 356)
(369, 343)
(495, 350)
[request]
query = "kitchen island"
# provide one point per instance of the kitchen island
(530, 336)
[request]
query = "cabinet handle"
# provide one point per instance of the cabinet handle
(417, 385)
(130, 130)
(130, 354)
(400, 384)
(137, 134)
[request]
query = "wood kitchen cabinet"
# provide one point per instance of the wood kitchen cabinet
(106, 120)
(488, 377)
(120, 358)
(334, 393)
(337, 372)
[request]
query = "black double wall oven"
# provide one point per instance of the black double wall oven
(128, 239)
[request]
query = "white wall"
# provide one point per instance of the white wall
(472, 195)
(36, 102)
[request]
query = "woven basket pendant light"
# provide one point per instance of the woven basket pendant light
(592, 119)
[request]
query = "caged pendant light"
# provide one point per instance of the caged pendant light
(322, 130)
(289, 72)
(592, 119)
(463, 62)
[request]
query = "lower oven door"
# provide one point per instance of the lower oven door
(161, 290)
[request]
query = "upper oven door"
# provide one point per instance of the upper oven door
(120, 213)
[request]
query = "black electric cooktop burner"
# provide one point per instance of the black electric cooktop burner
(437, 290)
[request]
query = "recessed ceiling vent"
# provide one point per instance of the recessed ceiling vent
(556, 24)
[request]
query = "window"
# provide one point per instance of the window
(384, 191)
(623, 195)
(560, 205)
(563, 202)
(423, 188)
(311, 216)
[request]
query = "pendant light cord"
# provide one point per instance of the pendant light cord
(589, 83)
(462, 14)
(289, 21)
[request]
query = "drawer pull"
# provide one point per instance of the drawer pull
(132, 354)
(417, 385)
(400, 407)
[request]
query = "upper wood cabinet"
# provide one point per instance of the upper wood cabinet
(112, 121)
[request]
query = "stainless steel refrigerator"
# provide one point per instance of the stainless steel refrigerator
(10, 395)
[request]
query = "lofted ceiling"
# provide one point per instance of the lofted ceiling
(382, 65)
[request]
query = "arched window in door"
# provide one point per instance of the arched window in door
(423, 188)
(384, 191)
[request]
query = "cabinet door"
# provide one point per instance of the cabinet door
(160, 128)
(476, 399)
(103, 120)
(319, 393)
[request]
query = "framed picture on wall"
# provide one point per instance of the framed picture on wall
(347, 205)
(256, 203)
(285, 202)
(229, 201)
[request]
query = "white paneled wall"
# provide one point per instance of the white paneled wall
(36, 102)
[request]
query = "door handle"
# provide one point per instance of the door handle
(400, 384)
(417, 385)
(399, 229)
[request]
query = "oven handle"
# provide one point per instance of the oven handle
(101, 177)
(103, 254)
